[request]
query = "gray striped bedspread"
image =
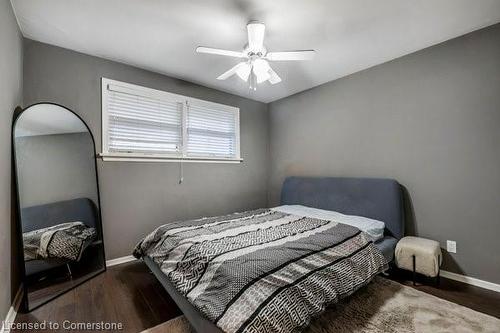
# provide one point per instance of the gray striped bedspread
(262, 270)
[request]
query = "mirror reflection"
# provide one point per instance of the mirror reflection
(58, 201)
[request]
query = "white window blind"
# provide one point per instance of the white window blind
(211, 132)
(138, 124)
(145, 123)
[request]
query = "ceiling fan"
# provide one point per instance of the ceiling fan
(255, 58)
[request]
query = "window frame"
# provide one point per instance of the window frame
(106, 155)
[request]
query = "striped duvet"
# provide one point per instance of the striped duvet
(262, 270)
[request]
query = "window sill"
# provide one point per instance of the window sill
(164, 159)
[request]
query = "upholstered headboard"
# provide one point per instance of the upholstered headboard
(42, 216)
(375, 198)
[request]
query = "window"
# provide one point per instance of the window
(145, 124)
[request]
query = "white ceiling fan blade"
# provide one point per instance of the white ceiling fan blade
(291, 55)
(232, 71)
(227, 53)
(273, 77)
(256, 36)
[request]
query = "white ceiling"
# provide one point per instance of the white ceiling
(161, 35)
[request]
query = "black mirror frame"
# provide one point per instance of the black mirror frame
(24, 306)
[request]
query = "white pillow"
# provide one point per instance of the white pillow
(374, 228)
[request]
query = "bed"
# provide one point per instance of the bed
(379, 199)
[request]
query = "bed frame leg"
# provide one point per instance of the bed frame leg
(438, 277)
(414, 273)
(69, 271)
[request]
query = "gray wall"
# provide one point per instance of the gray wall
(430, 120)
(55, 168)
(10, 97)
(137, 197)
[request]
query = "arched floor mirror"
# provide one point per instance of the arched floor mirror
(59, 220)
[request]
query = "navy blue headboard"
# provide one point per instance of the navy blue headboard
(379, 199)
(42, 216)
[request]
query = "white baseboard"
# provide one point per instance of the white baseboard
(11, 315)
(471, 281)
(118, 261)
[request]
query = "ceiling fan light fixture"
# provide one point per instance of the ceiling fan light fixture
(261, 70)
(254, 67)
(274, 78)
(243, 72)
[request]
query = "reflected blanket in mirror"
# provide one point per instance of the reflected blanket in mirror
(65, 240)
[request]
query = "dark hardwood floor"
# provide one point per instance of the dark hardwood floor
(130, 294)
(479, 299)
(127, 294)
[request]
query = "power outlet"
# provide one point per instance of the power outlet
(451, 246)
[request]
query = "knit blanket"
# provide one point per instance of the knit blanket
(263, 270)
